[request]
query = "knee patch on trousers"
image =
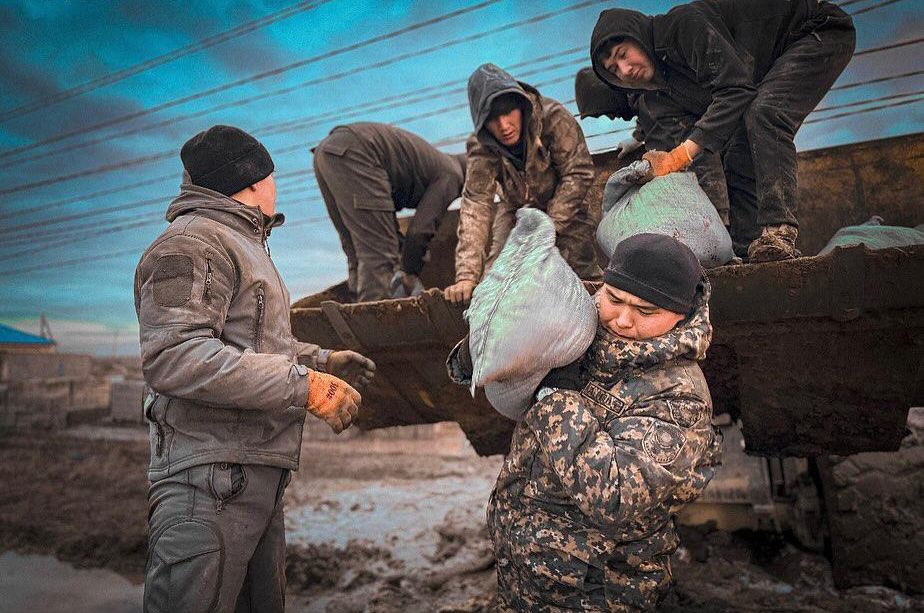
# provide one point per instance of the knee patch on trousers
(184, 570)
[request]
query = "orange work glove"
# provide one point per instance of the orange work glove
(332, 399)
(664, 163)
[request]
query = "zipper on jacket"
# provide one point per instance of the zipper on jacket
(207, 296)
(258, 325)
(159, 446)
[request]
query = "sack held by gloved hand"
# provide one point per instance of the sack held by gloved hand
(332, 399)
(354, 368)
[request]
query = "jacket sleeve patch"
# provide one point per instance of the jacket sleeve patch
(663, 442)
(173, 280)
(686, 413)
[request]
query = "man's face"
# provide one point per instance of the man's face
(506, 128)
(630, 317)
(629, 64)
(266, 195)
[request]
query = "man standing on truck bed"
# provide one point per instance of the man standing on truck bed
(231, 385)
(530, 151)
(368, 171)
(749, 73)
(660, 123)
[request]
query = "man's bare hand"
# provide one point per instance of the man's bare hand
(354, 368)
(460, 292)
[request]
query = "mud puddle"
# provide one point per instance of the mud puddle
(42, 583)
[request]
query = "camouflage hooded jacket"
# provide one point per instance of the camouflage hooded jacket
(583, 510)
(556, 176)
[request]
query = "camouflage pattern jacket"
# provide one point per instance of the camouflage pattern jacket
(556, 178)
(582, 515)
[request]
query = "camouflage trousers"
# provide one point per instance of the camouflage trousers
(533, 575)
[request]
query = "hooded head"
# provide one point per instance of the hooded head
(494, 93)
(595, 98)
(621, 50)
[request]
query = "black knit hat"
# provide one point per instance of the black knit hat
(225, 159)
(656, 268)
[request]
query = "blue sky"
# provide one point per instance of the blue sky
(51, 194)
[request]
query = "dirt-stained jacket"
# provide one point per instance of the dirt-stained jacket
(582, 515)
(710, 54)
(230, 380)
(555, 176)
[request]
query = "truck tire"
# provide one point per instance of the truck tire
(874, 503)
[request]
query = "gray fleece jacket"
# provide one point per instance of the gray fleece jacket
(230, 380)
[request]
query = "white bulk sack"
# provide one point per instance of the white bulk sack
(529, 314)
(875, 236)
(674, 205)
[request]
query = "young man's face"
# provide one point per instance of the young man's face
(630, 317)
(506, 128)
(629, 63)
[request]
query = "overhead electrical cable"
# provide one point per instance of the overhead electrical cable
(119, 75)
(867, 9)
(388, 102)
(259, 76)
(347, 73)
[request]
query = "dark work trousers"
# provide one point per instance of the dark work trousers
(358, 198)
(665, 133)
(760, 160)
(217, 540)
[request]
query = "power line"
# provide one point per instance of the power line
(904, 75)
(87, 173)
(346, 73)
(168, 154)
(257, 77)
(833, 107)
(66, 242)
(66, 263)
(165, 58)
(874, 7)
(860, 111)
(904, 43)
(340, 114)
(97, 194)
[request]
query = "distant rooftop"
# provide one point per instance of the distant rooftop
(12, 336)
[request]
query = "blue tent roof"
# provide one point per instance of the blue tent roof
(13, 336)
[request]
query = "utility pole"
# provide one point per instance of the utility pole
(44, 328)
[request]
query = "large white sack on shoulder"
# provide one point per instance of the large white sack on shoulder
(674, 205)
(530, 313)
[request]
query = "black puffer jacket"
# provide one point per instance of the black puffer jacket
(709, 54)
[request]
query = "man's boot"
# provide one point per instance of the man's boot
(774, 243)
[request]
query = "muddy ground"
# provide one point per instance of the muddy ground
(375, 523)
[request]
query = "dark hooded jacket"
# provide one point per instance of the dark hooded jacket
(709, 54)
(554, 174)
(230, 380)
